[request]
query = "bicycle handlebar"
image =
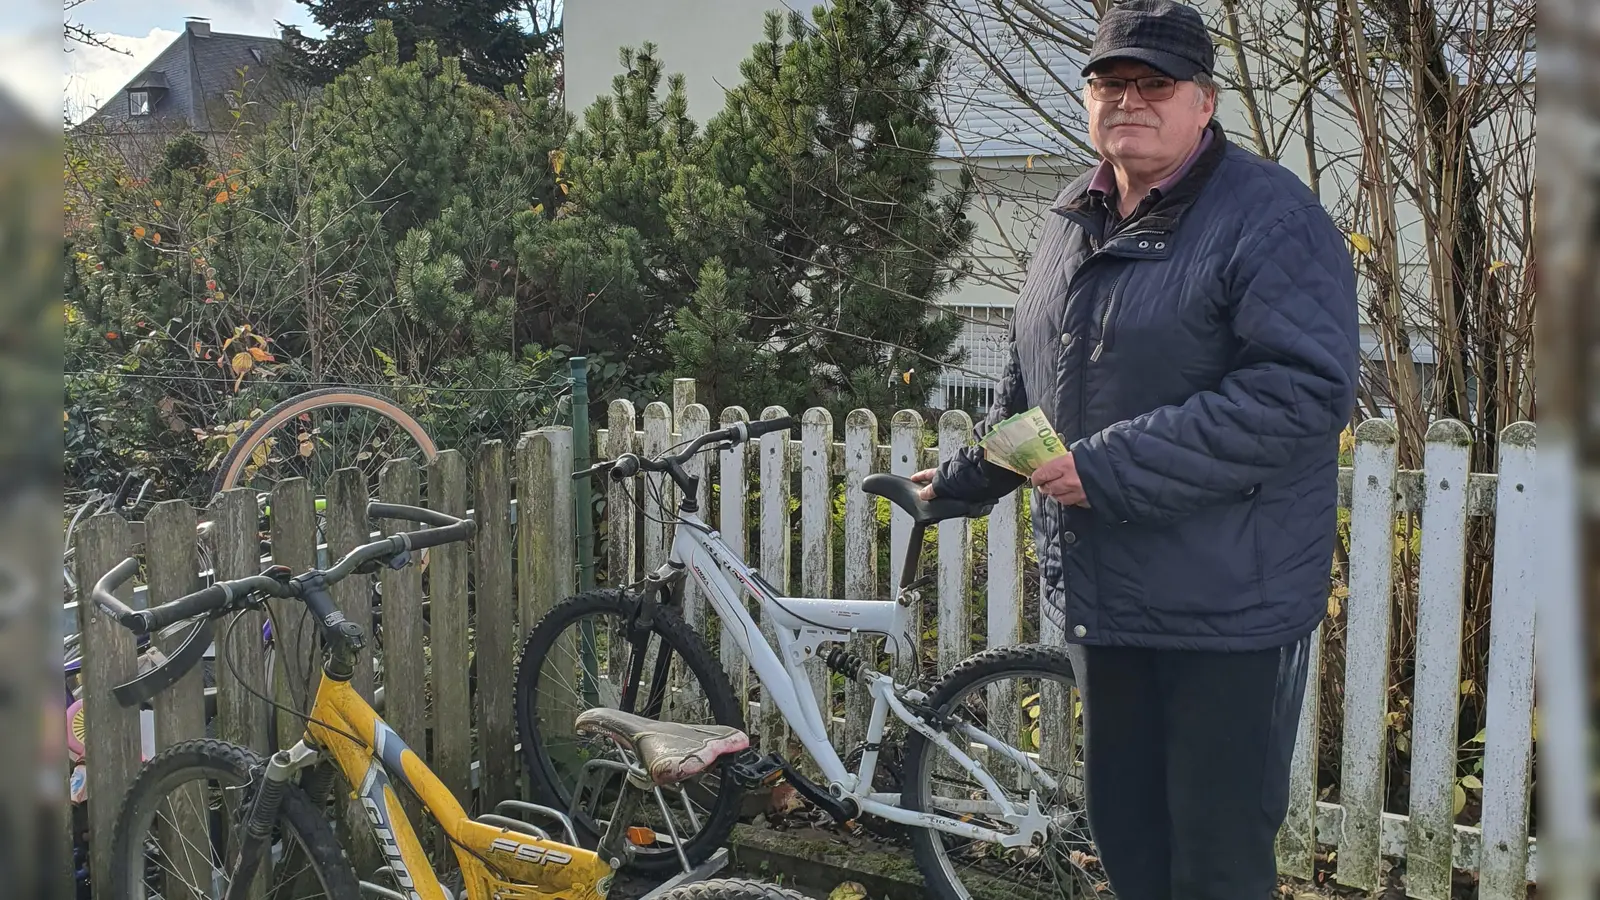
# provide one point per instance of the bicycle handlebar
(630, 464)
(225, 596)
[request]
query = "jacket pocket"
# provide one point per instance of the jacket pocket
(1210, 562)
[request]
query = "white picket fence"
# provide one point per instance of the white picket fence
(822, 461)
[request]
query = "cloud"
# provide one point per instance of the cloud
(95, 74)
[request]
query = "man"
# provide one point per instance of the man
(1188, 325)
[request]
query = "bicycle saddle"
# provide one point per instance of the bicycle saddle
(902, 492)
(669, 751)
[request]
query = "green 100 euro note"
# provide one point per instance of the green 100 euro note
(1023, 443)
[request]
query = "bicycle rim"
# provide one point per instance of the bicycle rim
(315, 433)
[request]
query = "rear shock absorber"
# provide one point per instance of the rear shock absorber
(844, 662)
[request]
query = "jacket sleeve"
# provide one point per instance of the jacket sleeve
(967, 475)
(1291, 389)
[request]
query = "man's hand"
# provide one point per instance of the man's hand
(1058, 478)
(925, 477)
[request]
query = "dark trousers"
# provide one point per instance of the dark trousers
(1187, 762)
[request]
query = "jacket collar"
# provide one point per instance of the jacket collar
(1085, 199)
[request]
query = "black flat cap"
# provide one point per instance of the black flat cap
(1167, 36)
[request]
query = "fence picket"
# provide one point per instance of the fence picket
(732, 472)
(404, 686)
(538, 586)
(299, 664)
(654, 485)
(860, 556)
(1508, 746)
(955, 630)
(905, 459)
(180, 712)
(694, 422)
(348, 527)
(241, 658)
(816, 536)
(173, 567)
(1436, 687)
(774, 553)
(1296, 844)
(113, 757)
(496, 619)
(449, 636)
(620, 511)
(1366, 675)
(1003, 559)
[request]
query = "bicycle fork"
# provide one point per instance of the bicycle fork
(264, 814)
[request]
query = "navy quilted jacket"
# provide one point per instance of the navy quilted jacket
(1200, 362)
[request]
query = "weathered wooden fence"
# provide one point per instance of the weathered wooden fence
(522, 562)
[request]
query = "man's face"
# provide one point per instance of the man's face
(1139, 131)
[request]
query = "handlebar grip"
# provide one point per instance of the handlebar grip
(626, 466)
(433, 537)
(767, 426)
(186, 607)
(416, 514)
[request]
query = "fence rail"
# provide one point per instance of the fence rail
(794, 507)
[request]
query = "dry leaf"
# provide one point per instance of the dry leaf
(242, 362)
(222, 197)
(848, 890)
(261, 355)
(1361, 242)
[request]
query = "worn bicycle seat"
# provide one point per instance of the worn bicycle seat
(902, 492)
(669, 751)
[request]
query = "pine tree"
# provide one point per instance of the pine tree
(850, 239)
(489, 38)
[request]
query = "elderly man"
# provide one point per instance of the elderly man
(1188, 325)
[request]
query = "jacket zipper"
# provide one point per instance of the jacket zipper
(1105, 320)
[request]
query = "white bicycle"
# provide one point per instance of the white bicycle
(980, 786)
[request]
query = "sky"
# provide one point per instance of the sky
(142, 29)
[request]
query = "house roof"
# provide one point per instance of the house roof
(188, 81)
(1034, 50)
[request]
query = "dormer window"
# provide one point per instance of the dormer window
(145, 93)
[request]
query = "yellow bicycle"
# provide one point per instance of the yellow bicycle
(207, 818)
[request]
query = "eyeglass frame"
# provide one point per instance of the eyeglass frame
(1095, 81)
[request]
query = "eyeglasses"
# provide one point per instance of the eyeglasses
(1109, 89)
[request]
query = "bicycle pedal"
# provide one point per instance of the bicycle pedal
(752, 770)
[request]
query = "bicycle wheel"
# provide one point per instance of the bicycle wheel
(176, 831)
(556, 679)
(312, 434)
(1019, 695)
(731, 889)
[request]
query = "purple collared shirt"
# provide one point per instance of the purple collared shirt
(1104, 179)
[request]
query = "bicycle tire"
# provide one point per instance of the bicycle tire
(542, 776)
(1023, 660)
(731, 889)
(206, 757)
(233, 463)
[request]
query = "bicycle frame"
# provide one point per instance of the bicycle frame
(495, 861)
(801, 626)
